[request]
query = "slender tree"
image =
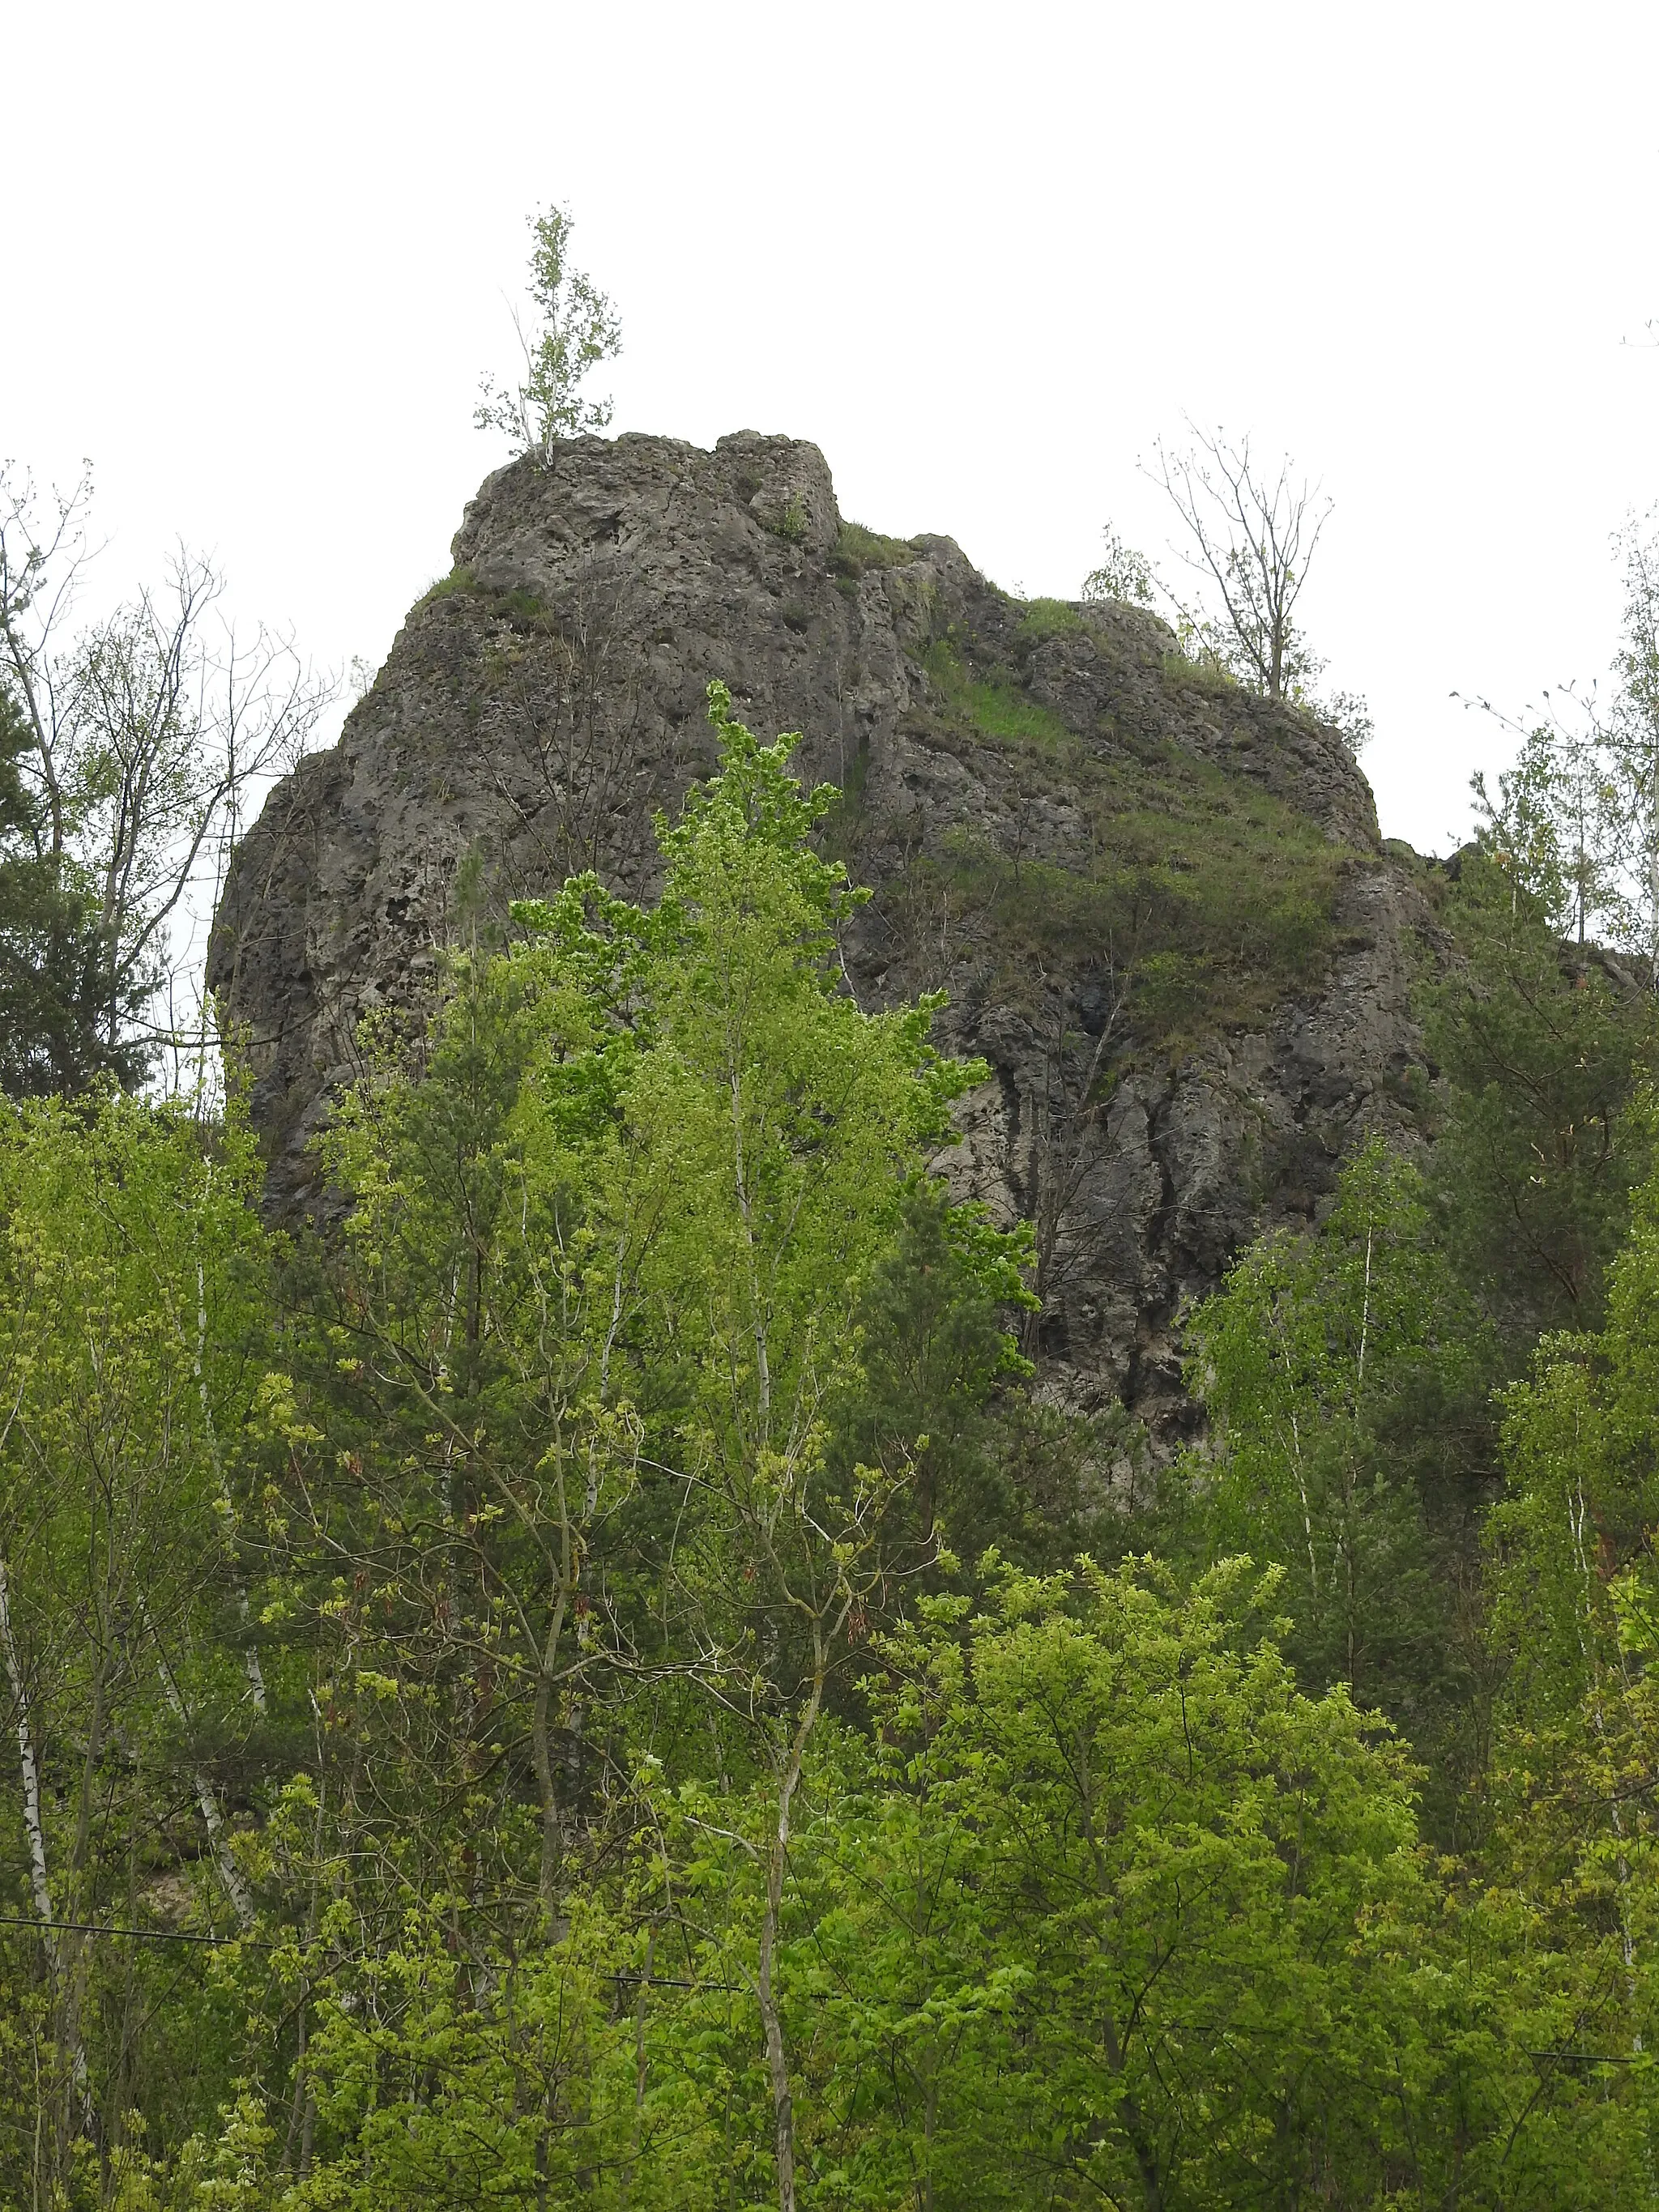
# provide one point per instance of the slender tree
(573, 330)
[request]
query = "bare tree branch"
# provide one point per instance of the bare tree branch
(147, 734)
(1249, 535)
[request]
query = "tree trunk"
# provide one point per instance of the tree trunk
(231, 1877)
(783, 2102)
(541, 1734)
(1133, 2122)
(39, 1885)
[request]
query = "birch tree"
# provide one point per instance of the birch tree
(574, 328)
(772, 1127)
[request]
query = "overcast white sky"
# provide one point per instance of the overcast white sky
(256, 259)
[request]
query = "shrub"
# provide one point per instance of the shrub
(460, 579)
(858, 549)
(1047, 618)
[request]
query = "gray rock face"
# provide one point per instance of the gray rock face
(537, 707)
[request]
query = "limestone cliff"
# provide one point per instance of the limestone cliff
(1158, 902)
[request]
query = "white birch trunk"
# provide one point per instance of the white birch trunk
(231, 1877)
(37, 1835)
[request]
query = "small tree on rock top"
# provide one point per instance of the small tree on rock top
(579, 328)
(1248, 535)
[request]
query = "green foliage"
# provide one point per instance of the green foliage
(518, 609)
(1345, 1372)
(577, 329)
(1211, 895)
(1581, 1447)
(430, 2088)
(790, 523)
(994, 707)
(857, 549)
(1191, 661)
(460, 579)
(1041, 618)
(933, 1349)
(1544, 1139)
(1106, 1921)
(830, 1105)
(1574, 1863)
(1123, 573)
(614, 1254)
(1554, 826)
(1577, 813)
(579, 1639)
(1103, 1904)
(55, 1015)
(132, 1325)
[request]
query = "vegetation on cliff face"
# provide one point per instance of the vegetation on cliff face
(1206, 903)
(585, 1683)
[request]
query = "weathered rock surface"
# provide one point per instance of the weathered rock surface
(537, 708)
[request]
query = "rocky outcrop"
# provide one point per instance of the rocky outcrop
(1043, 797)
